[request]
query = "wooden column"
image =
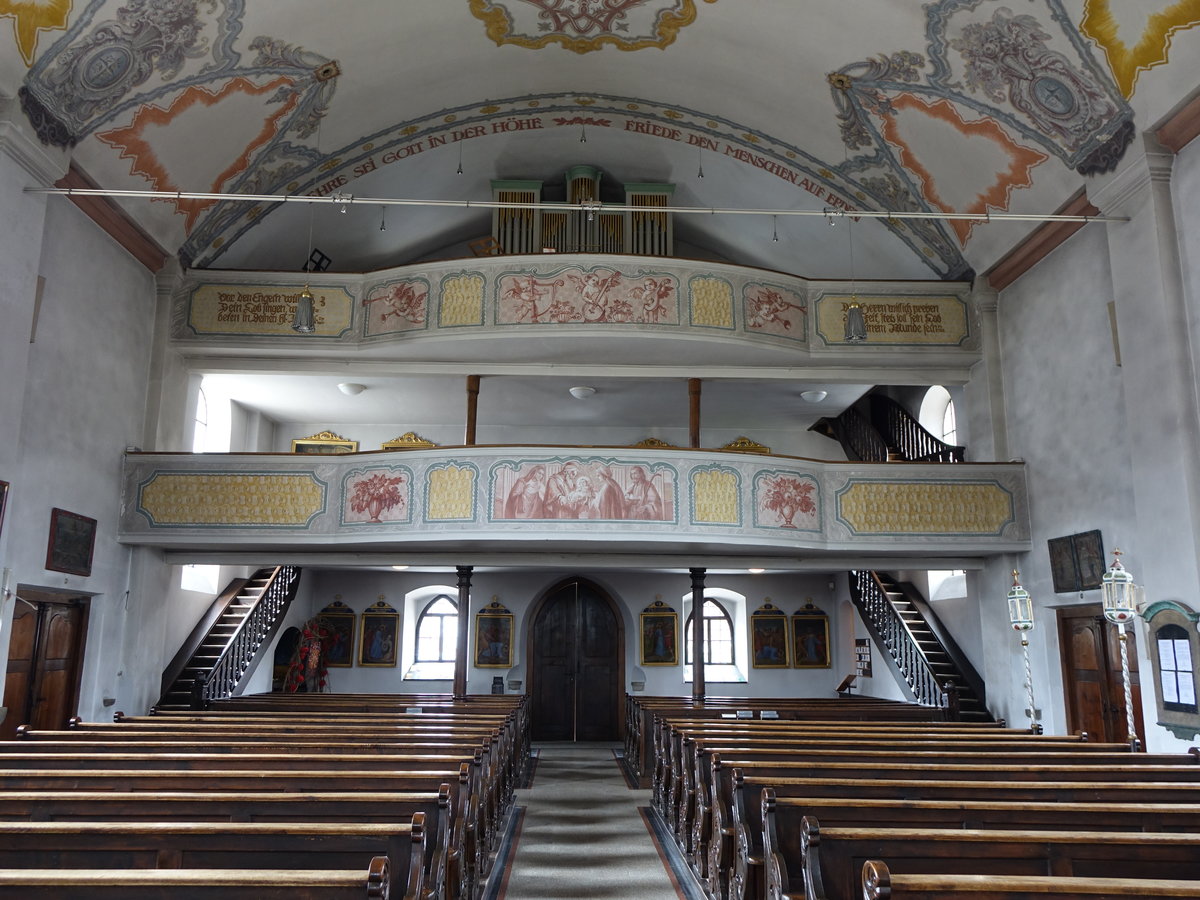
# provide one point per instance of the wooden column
(694, 415)
(472, 408)
(464, 621)
(697, 635)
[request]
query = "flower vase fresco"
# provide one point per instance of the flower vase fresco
(378, 495)
(786, 500)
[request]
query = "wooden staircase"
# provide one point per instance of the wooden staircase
(920, 652)
(224, 644)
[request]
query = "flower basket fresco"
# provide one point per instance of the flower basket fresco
(374, 496)
(785, 500)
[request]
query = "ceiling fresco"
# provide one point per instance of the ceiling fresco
(981, 106)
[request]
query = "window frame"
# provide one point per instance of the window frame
(421, 617)
(726, 618)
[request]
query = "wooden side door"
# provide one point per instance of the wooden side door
(575, 646)
(1093, 687)
(45, 659)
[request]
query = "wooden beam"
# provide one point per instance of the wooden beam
(694, 413)
(1040, 243)
(697, 635)
(464, 621)
(472, 409)
(117, 223)
(1182, 126)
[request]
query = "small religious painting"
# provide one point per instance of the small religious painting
(659, 635)
(769, 637)
(493, 636)
(810, 638)
(1076, 562)
(72, 539)
(338, 619)
(377, 639)
(324, 443)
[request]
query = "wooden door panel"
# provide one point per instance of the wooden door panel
(20, 666)
(1092, 682)
(597, 667)
(44, 664)
(553, 713)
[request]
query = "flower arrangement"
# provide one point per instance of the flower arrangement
(788, 496)
(307, 672)
(376, 494)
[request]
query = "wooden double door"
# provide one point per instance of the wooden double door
(576, 660)
(1092, 682)
(45, 657)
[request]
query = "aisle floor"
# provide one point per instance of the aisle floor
(583, 832)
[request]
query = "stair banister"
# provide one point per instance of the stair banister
(175, 668)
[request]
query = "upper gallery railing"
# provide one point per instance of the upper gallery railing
(541, 495)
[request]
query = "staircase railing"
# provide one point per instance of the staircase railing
(972, 680)
(859, 439)
(905, 435)
(903, 654)
(175, 668)
(256, 629)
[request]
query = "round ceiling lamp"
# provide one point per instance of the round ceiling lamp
(351, 388)
(813, 396)
(581, 391)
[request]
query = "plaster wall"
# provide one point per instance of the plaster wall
(1065, 407)
(518, 591)
(84, 397)
(1185, 187)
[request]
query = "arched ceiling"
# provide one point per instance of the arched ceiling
(953, 105)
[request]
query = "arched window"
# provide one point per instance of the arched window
(718, 636)
(437, 631)
(937, 415)
(1175, 669)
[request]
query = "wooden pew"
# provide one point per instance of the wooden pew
(200, 884)
(223, 845)
(879, 883)
(831, 859)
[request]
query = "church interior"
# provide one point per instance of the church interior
(467, 348)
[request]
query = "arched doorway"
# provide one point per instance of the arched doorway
(576, 642)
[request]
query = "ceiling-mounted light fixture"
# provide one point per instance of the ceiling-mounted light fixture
(699, 162)
(351, 388)
(814, 396)
(459, 170)
(774, 230)
(581, 391)
(583, 132)
(383, 218)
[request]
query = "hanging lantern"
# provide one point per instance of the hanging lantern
(303, 320)
(856, 325)
(1119, 592)
(1020, 606)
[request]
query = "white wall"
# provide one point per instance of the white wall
(84, 397)
(358, 589)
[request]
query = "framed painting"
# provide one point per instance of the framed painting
(659, 633)
(339, 645)
(493, 637)
(1076, 562)
(769, 637)
(3, 502)
(377, 638)
(810, 638)
(72, 540)
(324, 443)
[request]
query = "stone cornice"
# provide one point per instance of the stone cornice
(1182, 127)
(1039, 244)
(1146, 164)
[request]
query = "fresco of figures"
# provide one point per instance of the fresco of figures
(582, 490)
(397, 306)
(596, 295)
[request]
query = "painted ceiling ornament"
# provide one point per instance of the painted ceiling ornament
(31, 18)
(1033, 74)
(90, 76)
(585, 25)
(1131, 54)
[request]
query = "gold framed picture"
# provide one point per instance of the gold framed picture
(339, 644)
(324, 443)
(769, 637)
(810, 638)
(493, 637)
(378, 639)
(659, 635)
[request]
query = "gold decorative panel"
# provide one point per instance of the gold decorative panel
(896, 320)
(266, 309)
(925, 507)
(451, 493)
(712, 302)
(233, 499)
(462, 300)
(715, 497)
